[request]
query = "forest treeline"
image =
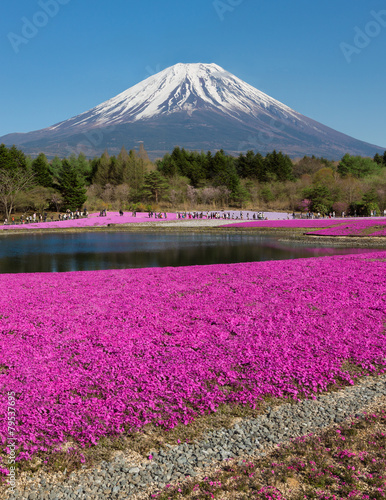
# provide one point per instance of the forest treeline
(186, 180)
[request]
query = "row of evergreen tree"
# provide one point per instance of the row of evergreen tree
(220, 168)
(67, 179)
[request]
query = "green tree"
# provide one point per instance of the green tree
(266, 194)
(380, 160)
(12, 158)
(41, 169)
(71, 187)
(320, 197)
(187, 164)
(168, 167)
(370, 202)
(17, 158)
(222, 171)
(134, 173)
(324, 177)
(55, 167)
(321, 208)
(155, 186)
(357, 166)
(279, 166)
(115, 174)
(251, 166)
(119, 167)
(83, 167)
(310, 165)
(102, 174)
(4, 157)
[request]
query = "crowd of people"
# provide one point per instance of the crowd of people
(43, 217)
(69, 215)
(221, 215)
(331, 215)
(78, 214)
(312, 215)
(158, 215)
(235, 215)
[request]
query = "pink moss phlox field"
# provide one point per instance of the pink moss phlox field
(326, 227)
(93, 220)
(290, 223)
(90, 354)
(363, 227)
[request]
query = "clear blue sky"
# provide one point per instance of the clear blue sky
(86, 52)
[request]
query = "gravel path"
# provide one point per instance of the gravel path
(191, 223)
(122, 478)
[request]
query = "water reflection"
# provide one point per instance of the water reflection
(107, 250)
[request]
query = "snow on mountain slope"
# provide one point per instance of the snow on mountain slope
(196, 106)
(183, 87)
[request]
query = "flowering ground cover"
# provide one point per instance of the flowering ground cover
(325, 227)
(290, 223)
(91, 354)
(93, 220)
(361, 227)
(341, 227)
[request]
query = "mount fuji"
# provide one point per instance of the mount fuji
(196, 106)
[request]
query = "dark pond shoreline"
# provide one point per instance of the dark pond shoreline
(100, 249)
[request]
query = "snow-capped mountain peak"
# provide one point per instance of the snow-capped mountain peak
(196, 106)
(182, 87)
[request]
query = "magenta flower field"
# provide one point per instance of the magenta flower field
(361, 227)
(290, 223)
(93, 220)
(325, 227)
(90, 354)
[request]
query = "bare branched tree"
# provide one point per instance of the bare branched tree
(191, 194)
(12, 182)
(122, 195)
(108, 194)
(56, 199)
(210, 195)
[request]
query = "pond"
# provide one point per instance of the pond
(33, 253)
